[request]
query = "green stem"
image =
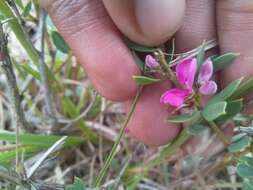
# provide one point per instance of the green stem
(21, 35)
(169, 149)
(117, 142)
(219, 133)
(167, 70)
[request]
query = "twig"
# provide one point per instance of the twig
(42, 68)
(19, 120)
(219, 133)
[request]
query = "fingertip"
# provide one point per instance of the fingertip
(147, 22)
(159, 20)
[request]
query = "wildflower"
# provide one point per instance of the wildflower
(151, 62)
(185, 74)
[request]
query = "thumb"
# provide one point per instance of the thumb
(147, 22)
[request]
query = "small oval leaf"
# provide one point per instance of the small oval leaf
(240, 144)
(233, 108)
(143, 80)
(213, 111)
(245, 170)
(244, 89)
(222, 61)
(27, 9)
(196, 129)
(59, 42)
(183, 118)
(226, 92)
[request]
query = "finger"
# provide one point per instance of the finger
(97, 44)
(147, 22)
(235, 30)
(199, 25)
(149, 122)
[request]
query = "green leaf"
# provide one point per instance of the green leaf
(77, 185)
(132, 181)
(240, 145)
(40, 140)
(138, 47)
(27, 9)
(20, 4)
(245, 170)
(196, 129)
(8, 156)
(213, 111)
(233, 108)
(247, 160)
(226, 92)
(201, 54)
(70, 108)
(171, 52)
(59, 42)
(244, 89)
(238, 137)
(30, 70)
(183, 118)
(247, 184)
(19, 32)
(222, 61)
(143, 80)
(138, 61)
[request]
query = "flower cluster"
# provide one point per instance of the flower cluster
(191, 80)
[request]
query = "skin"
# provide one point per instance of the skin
(94, 30)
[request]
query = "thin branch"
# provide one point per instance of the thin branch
(14, 96)
(43, 71)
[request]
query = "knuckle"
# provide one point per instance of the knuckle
(236, 15)
(76, 16)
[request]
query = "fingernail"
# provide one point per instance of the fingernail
(159, 19)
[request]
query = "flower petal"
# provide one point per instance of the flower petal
(206, 71)
(208, 88)
(175, 97)
(151, 62)
(185, 72)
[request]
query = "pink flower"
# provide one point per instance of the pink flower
(185, 73)
(151, 62)
(208, 87)
(175, 97)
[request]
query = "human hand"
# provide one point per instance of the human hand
(97, 43)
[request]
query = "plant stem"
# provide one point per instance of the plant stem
(169, 149)
(115, 145)
(18, 119)
(167, 70)
(19, 32)
(166, 152)
(43, 67)
(219, 133)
